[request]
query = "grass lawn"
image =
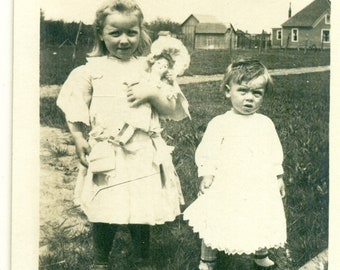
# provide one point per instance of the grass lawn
(299, 107)
(56, 63)
(205, 62)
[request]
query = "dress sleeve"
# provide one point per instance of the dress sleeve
(208, 150)
(75, 96)
(182, 104)
(277, 152)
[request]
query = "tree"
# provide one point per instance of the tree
(163, 25)
(56, 32)
(42, 29)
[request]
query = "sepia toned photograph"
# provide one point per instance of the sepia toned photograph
(176, 135)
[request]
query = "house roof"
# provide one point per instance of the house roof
(309, 15)
(206, 18)
(211, 28)
(203, 18)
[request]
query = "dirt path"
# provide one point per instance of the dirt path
(273, 72)
(53, 90)
(58, 170)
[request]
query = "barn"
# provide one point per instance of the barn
(309, 28)
(206, 32)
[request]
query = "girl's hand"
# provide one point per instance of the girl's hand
(282, 187)
(82, 149)
(155, 96)
(140, 93)
(205, 184)
(82, 146)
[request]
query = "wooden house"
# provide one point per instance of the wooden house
(309, 28)
(244, 40)
(206, 32)
(261, 40)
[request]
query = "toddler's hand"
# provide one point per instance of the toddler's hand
(205, 184)
(82, 149)
(282, 187)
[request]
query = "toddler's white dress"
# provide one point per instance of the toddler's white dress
(142, 187)
(243, 210)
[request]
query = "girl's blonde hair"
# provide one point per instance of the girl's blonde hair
(128, 7)
(245, 70)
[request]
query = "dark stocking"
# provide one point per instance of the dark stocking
(103, 234)
(140, 235)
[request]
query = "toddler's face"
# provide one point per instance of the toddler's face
(160, 67)
(121, 34)
(247, 97)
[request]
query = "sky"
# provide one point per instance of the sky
(247, 15)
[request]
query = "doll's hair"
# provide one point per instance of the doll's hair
(245, 70)
(126, 7)
(163, 55)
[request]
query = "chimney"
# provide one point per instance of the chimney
(290, 10)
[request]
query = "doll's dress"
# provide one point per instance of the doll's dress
(135, 190)
(141, 117)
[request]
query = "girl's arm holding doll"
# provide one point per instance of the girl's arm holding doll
(158, 98)
(168, 59)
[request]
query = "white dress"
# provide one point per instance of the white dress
(242, 211)
(143, 187)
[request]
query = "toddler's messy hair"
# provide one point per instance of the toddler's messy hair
(245, 70)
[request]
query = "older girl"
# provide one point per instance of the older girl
(136, 184)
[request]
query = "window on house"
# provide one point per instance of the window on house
(328, 19)
(295, 35)
(278, 34)
(325, 37)
(210, 42)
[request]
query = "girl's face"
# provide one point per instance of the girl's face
(121, 34)
(160, 67)
(247, 97)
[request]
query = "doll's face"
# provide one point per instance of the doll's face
(160, 67)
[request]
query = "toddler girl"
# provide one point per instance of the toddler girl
(240, 207)
(137, 185)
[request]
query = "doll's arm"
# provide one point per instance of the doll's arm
(82, 146)
(206, 183)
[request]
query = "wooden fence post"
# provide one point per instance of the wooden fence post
(75, 44)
